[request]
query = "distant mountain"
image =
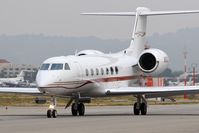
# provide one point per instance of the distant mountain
(33, 49)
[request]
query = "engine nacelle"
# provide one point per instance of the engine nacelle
(153, 61)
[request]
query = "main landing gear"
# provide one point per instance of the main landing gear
(78, 108)
(52, 112)
(140, 106)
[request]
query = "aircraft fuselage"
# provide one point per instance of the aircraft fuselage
(87, 74)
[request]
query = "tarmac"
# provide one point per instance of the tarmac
(102, 119)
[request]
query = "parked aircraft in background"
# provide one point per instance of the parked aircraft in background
(13, 82)
(91, 73)
(191, 79)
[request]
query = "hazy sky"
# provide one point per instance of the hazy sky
(61, 17)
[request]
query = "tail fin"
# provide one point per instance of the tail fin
(21, 74)
(138, 41)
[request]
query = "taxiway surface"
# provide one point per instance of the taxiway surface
(117, 119)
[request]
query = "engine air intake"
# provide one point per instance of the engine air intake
(147, 61)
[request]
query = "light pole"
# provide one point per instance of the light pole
(194, 65)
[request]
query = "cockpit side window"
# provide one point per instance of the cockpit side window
(56, 66)
(44, 66)
(66, 66)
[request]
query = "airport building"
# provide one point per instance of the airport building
(9, 70)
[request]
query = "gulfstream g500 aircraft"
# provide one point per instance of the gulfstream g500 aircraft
(91, 73)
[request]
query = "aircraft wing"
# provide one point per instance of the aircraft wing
(154, 91)
(19, 90)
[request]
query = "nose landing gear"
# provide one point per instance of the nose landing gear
(52, 112)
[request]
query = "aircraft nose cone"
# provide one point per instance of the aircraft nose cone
(42, 83)
(42, 80)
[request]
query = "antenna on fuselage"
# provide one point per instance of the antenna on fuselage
(76, 51)
(138, 40)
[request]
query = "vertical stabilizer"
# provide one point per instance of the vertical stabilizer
(21, 74)
(138, 40)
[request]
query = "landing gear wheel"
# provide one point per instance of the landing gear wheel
(49, 113)
(74, 110)
(81, 109)
(136, 110)
(54, 113)
(143, 108)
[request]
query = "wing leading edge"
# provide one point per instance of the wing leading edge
(154, 91)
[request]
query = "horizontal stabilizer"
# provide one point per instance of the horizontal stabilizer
(111, 13)
(143, 13)
(167, 12)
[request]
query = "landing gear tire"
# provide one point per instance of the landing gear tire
(54, 113)
(74, 110)
(78, 109)
(81, 109)
(136, 110)
(49, 113)
(143, 109)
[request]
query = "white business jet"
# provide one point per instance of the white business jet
(17, 81)
(91, 73)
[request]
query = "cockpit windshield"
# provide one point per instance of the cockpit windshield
(44, 66)
(56, 66)
(67, 67)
